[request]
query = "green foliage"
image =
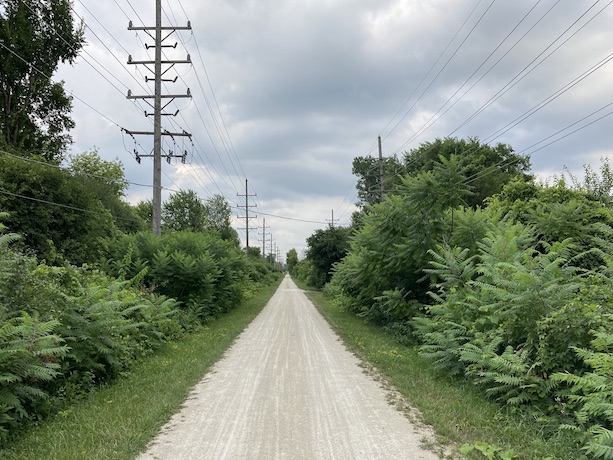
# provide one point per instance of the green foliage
(184, 211)
(207, 274)
(292, 260)
(368, 171)
(557, 213)
(325, 248)
(500, 163)
(54, 232)
(30, 353)
(390, 250)
(64, 330)
(107, 181)
(591, 394)
(33, 109)
(489, 451)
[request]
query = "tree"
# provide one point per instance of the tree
(59, 215)
(37, 35)
(110, 174)
(144, 210)
(487, 168)
(325, 248)
(184, 211)
(107, 181)
(218, 212)
(291, 260)
(367, 169)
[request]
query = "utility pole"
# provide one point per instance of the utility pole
(157, 106)
(264, 239)
(332, 221)
(381, 170)
(247, 207)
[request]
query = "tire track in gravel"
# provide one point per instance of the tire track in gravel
(287, 389)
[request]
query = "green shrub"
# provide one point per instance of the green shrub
(30, 353)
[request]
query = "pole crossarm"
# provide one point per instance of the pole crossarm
(188, 60)
(163, 133)
(173, 28)
(162, 96)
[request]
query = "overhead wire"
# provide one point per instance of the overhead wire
(518, 77)
(429, 123)
(446, 63)
(424, 78)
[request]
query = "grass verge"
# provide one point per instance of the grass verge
(120, 419)
(456, 410)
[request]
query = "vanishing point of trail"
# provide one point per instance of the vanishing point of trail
(287, 389)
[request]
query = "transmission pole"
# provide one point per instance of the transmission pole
(157, 106)
(247, 207)
(381, 170)
(264, 238)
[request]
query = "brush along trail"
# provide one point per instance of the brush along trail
(288, 389)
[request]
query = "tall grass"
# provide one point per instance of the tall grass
(120, 419)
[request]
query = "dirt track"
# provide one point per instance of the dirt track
(287, 389)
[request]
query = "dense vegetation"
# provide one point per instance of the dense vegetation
(515, 295)
(85, 290)
(64, 330)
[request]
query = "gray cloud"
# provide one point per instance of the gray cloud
(305, 86)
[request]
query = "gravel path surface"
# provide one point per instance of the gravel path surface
(287, 389)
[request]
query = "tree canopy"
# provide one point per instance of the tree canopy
(486, 168)
(36, 36)
(325, 248)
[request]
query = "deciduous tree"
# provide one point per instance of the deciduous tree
(36, 35)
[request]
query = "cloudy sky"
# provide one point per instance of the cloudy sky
(287, 92)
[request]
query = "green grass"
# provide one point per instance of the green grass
(120, 419)
(456, 410)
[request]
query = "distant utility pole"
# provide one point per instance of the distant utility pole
(381, 170)
(332, 221)
(247, 207)
(157, 106)
(264, 238)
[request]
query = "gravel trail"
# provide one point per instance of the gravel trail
(287, 389)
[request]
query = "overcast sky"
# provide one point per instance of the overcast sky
(287, 92)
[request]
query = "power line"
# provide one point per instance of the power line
(428, 123)
(518, 77)
(424, 78)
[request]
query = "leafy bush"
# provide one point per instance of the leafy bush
(64, 330)
(205, 273)
(591, 394)
(30, 353)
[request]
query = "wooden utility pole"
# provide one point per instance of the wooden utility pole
(157, 106)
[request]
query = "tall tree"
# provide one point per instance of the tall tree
(184, 211)
(487, 168)
(368, 171)
(58, 214)
(292, 260)
(35, 36)
(325, 248)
